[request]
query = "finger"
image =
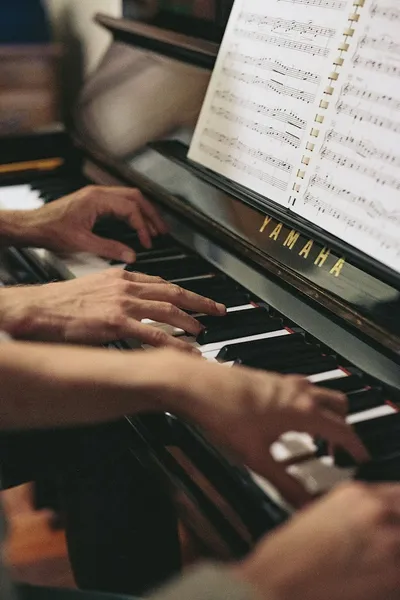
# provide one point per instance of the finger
(184, 299)
(157, 338)
(390, 492)
(122, 207)
(135, 218)
(290, 489)
(335, 430)
(152, 214)
(137, 277)
(107, 248)
(135, 195)
(152, 229)
(163, 312)
(334, 401)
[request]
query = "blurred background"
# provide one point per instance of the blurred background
(48, 47)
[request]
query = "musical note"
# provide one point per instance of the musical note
(350, 89)
(259, 174)
(383, 43)
(359, 114)
(287, 25)
(236, 144)
(283, 136)
(387, 12)
(363, 147)
(384, 240)
(373, 209)
(280, 114)
(376, 65)
(282, 42)
(274, 66)
(333, 4)
(362, 168)
(276, 86)
(265, 91)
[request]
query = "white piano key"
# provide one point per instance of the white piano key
(327, 375)
(19, 197)
(242, 307)
(176, 331)
(319, 475)
(270, 490)
(80, 264)
(372, 413)
(211, 350)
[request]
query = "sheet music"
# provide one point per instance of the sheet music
(353, 188)
(265, 90)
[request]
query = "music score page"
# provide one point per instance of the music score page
(353, 184)
(265, 91)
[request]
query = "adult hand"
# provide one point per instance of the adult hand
(66, 225)
(103, 307)
(344, 547)
(246, 411)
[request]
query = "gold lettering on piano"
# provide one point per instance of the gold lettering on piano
(291, 239)
(337, 267)
(275, 233)
(265, 224)
(322, 256)
(305, 251)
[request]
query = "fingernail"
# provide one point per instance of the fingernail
(196, 351)
(128, 256)
(221, 308)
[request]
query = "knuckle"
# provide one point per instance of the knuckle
(118, 321)
(122, 287)
(177, 292)
(117, 273)
(170, 309)
(305, 404)
(89, 190)
(159, 337)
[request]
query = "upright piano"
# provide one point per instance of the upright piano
(299, 299)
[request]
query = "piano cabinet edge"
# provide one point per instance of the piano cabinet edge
(217, 502)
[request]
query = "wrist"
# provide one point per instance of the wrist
(19, 228)
(255, 577)
(160, 377)
(12, 313)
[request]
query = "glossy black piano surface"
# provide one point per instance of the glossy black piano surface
(134, 123)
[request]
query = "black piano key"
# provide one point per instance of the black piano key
(219, 288)
(351, 383)
(364, 400)
(281, 359)
(380, 436)
(301, 363)
(230, 300)
(236, 324)
(311, 367)
(158, 253)
(173, 269)
(213, 282)
(387, 469)
(249, 350)
(50, 196)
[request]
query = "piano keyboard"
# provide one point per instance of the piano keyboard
(252, 334)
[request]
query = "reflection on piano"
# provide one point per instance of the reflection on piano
(330, 313)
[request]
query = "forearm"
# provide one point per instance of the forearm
(46, 386)
(210, 582)
(17, 228)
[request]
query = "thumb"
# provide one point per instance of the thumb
(108, 248)
(291, 489)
